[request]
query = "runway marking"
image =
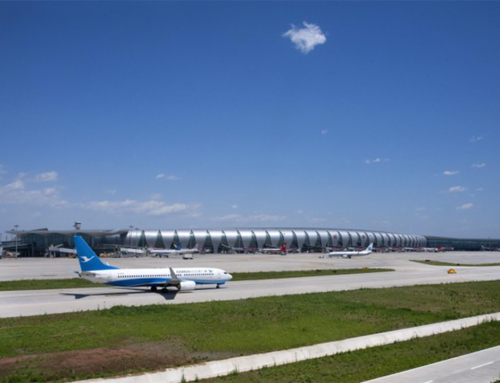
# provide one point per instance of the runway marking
(482, 365)
(429, 381)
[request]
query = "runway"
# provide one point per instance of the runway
(479, 367)
(37, 302)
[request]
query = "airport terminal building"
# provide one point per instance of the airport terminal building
(34, 243)
(234, 240)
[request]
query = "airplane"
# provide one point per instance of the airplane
(431, 249)
(274, 250)
(349, 254)
(184, 279)
(178, 250)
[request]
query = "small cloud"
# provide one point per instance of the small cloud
(465, 206)
(234, 207)
(300, 211)
(163, 175)
(46, 177)
(476, 138)
(110, 191)
(305, 39)
(151, 207)
(324, 131)
(451, 172)
(480, 189)
(478, 166)
(376, 161)
(456, 189)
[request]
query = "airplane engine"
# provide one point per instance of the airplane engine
(187, 286)
(346, 256)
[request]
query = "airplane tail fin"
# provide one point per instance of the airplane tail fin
(89, 261)
(283, 248)
(179, 246)
(370, 247)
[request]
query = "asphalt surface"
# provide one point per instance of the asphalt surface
(479, 367)
(60, 268)
(36, 302)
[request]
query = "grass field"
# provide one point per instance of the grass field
(128, 339)
(438, 263)
(375, 362)
(43, 284)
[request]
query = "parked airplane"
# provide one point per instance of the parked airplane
(178, 250)
(186, 278)
(349, 254)
(274, 250)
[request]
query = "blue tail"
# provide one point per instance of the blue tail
(179, 246)
(89, 261)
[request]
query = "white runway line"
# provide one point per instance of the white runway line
(482, 365)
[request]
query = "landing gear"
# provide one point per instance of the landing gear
(154, 289)
(218, 287)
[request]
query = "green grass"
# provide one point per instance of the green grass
(225, 329)
(252, 325)
(43, 284)
(380, 361)
(438, 263)
(302, 273)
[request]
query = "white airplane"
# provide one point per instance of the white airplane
(349, 254)
(177, 251)
(185, 279)
(274, 250)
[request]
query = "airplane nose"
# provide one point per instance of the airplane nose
(230, 277)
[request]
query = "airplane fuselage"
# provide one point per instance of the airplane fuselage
(157, 277)
(349, 254)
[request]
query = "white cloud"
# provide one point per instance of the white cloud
(476, 138)
(478, 166)
(376, 161)
(324, 131)
(456, 189)
(170, 178)
(234, 207)
(17, 193)
(451, 172)
(152, 207)
(300, 211)
(110, 191)
(305, 39)
(480, 189)
(465, 206)
(46, 177)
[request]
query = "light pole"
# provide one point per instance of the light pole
(15, 227)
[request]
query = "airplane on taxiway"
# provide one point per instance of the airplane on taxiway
(349, 254)
(177, 251)
(185, 278)
(274, 250)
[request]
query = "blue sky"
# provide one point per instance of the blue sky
(380, 115)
